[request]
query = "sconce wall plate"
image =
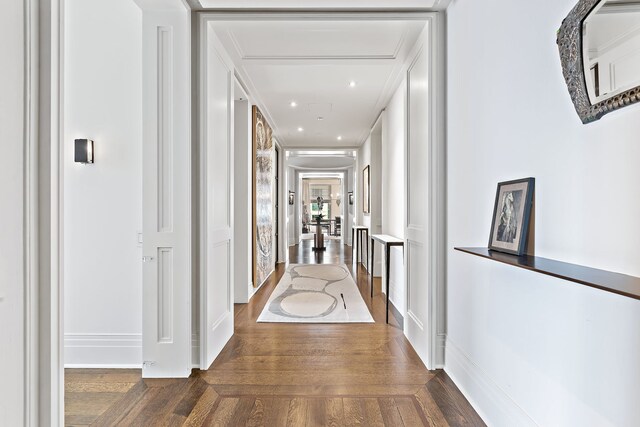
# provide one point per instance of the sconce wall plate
(83, 151)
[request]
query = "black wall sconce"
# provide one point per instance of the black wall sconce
(83, 151)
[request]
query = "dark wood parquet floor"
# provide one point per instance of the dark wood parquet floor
(284, 375)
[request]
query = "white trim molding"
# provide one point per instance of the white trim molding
(113, 351)
(491, 402)
(31, 214)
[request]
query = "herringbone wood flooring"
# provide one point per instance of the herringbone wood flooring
(284, 375)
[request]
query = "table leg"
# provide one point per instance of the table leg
(366, 238)
(353, 245)
(373, 245)
(387, 255)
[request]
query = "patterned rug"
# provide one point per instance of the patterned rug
(316, 293)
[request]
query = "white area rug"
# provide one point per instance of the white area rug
(316, 293)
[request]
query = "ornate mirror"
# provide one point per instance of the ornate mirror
(599, 44)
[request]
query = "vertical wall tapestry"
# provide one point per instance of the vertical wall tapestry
(263, 181)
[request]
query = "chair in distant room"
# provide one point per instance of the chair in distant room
(337, 231)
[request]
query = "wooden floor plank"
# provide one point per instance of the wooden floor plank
(189, 400)
(276, 412)
(297, 416)
(372, 413)
(242, 411)
(121, 408)
(312, 390)
(353, 411)
(223, 413)
(468, 414)
(257, 414)
(317, 413)
(202, 409)
(430, 409)
(408, 412)
(451, 405)
(335, 411)
(129, 418)
(389, 411)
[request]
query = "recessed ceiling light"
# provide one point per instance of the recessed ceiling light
(293, 104)
(300, 129)
(339, 138)
(352, 83)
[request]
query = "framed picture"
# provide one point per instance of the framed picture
(292, 196)
(366, 190)
(351, 197)
(511, 213)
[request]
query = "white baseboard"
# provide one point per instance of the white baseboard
(490, 401)
(101, 366)
(195, 351)
(441, 348)
(115, 351)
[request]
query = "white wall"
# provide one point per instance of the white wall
(393, 191)
(370, 154)
(103, 201)
(12, 278)
(524, 347)
(292, 231)
(350, 209)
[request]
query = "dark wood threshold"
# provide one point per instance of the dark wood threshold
(617, 283)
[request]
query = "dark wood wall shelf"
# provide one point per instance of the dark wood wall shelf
(621, 284)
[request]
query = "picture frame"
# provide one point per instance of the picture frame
(351, 197)
(292, 196)
(511, 214)
(366, 190)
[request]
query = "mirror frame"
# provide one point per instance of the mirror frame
(570, 46)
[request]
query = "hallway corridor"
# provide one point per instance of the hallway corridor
(275, 374)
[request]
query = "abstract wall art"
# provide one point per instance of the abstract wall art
(263, 200)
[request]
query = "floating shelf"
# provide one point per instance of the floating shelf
(621, 284)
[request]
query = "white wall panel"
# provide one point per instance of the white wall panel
(165, 127)
(167, 188)
(12, 226)
(555, 352)
(393, 193)
(103, 201)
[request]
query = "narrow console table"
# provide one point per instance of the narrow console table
(357, 231)
(621, 284)
(387, 241)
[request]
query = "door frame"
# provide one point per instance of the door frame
(303, 174)
(202, 47)
(277, 150)
(437, 144)
(437, 200)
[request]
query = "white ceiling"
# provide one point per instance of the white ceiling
(312, 63)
